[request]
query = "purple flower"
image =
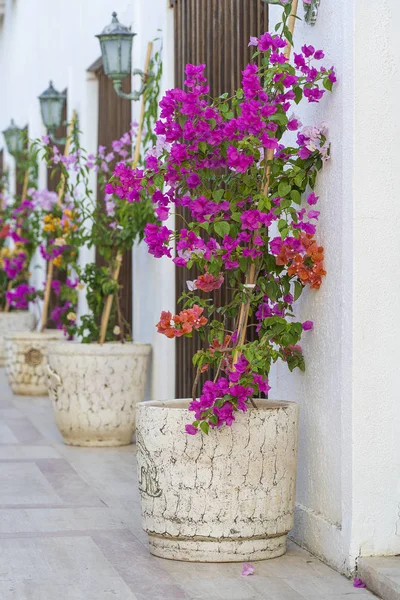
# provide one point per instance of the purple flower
(248, 569)
(191, 430)
(319, 55)
(312, 199)
(56, 286)
(358, 583)
(308, 50)
(308, 325)
(253, 41)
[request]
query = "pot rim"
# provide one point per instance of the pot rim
(34, 335)
(94, 348)
(183, 404)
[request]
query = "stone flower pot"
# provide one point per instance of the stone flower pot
(95, 389)
(17, 320)
(26, 361)
(225, 497)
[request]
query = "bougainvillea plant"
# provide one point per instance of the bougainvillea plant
(252, 217)
(111, 225)
(19, 235)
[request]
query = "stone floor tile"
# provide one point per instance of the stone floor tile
(70, 529)
(24, 483)
(382, 575)
(38, 521)
(63, 567)
(26, 453)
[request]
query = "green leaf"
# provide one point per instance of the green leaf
(284, 188)
(217, 195)
(295, 196)
(298, 288)
(328, 84)
(282, 224)
(205, 225)
(236, 217)
(204, 426)
(222, 228)
(279, 118)
(298, 94)
(203, 147)
(299, 179)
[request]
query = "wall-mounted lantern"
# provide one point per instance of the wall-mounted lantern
(116, 42)
(14, 137)
(310, 9)
(51, 107)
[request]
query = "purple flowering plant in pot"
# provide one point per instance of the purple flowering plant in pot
(244, 169)
(96, 380)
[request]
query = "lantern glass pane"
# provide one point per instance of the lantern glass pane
(52, 111)
(110, 52)
(126, 56)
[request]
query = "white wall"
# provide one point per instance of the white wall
(49, 39)
(348, 481)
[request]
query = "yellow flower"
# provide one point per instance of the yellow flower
(71, 316)
(60, 242)
(57, 262)
(81, 286)
(116, 330)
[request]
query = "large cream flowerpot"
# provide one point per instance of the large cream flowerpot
(26, 361)
(228, 496)
(18, 320)
(95, 390)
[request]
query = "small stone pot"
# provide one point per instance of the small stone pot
(17, 320)
(225, 497)
(26, 361)
(95, 389)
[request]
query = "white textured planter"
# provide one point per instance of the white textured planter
(95, 390)
(228, 496)
(26, 361)
(18, 320)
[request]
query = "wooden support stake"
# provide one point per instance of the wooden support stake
(292, 22)
(50, 264)
(105, 317)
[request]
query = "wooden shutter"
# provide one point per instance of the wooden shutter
(114, 120)
(217, 33)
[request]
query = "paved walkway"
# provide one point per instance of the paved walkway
(70, 529)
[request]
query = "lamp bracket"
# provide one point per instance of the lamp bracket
(135, 95)
(311, 12)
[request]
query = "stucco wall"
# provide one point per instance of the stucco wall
(348, 494)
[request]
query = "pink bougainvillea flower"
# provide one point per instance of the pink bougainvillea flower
(253, 41)
(248, 569)
(191, 430)
(308, 325)
(312, 199)
(208, 283)
(358, 583)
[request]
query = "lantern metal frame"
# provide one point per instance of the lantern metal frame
(52, 94)
(14, 130)
(116, 32)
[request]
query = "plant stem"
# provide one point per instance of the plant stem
(105, 317)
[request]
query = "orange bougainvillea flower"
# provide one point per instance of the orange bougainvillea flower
(182, 324)
(309, 266)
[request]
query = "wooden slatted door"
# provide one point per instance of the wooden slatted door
(217, 33)
(114, 120)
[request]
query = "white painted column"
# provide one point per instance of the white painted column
(154, 279)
